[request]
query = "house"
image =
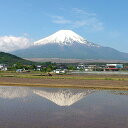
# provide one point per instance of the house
(19, 70)
(59, 71)
(38, 67)
(80, 66)
(90, 68)
(113, 67)
(61, 66)
(87, 67)
(3, 67)
(22, 70)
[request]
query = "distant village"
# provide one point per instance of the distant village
(63, 68)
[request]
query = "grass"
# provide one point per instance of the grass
(70, 77)
(45, 76)
(7, 75)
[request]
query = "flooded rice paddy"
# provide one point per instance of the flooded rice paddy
(38, 107)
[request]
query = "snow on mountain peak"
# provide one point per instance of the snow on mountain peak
(63, 37)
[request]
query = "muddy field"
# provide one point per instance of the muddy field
(65, 82)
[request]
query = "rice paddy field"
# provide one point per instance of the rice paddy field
(96, 81)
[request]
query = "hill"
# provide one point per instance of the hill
(8, 58)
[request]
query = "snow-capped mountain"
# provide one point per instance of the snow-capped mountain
(64, 37)
(63, 97)
(69, 45)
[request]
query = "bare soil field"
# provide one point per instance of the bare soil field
(76, 81)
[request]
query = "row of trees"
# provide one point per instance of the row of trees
(45, 67)
(48, 67)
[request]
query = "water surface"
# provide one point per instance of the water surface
(34, 107)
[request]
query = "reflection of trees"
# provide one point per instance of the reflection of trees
(120, 92)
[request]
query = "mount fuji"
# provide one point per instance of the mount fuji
(64, 37)
(67, 44)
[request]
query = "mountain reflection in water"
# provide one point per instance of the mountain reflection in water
(59, 96)
(63, 97)
(14, 92)
(38, 107)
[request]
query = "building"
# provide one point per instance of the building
(3, 67)
(90, 68)
(80, 66)
(59, 71)
(113, 67)
(19, 70)
(38, 67)
(86, 67)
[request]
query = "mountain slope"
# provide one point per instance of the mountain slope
(64, 37)
(69, 45)
(7, 58)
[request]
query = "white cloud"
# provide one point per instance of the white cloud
(80, 23)
(80, 19)
(97, 26)
(82, 12)
(11, 43)
(87, 20)
(92, 24)
(60, 20)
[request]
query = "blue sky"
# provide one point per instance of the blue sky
(101, 21)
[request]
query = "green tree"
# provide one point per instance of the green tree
(71, 67)
(33, 67)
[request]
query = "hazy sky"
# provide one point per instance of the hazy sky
(101, 21)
